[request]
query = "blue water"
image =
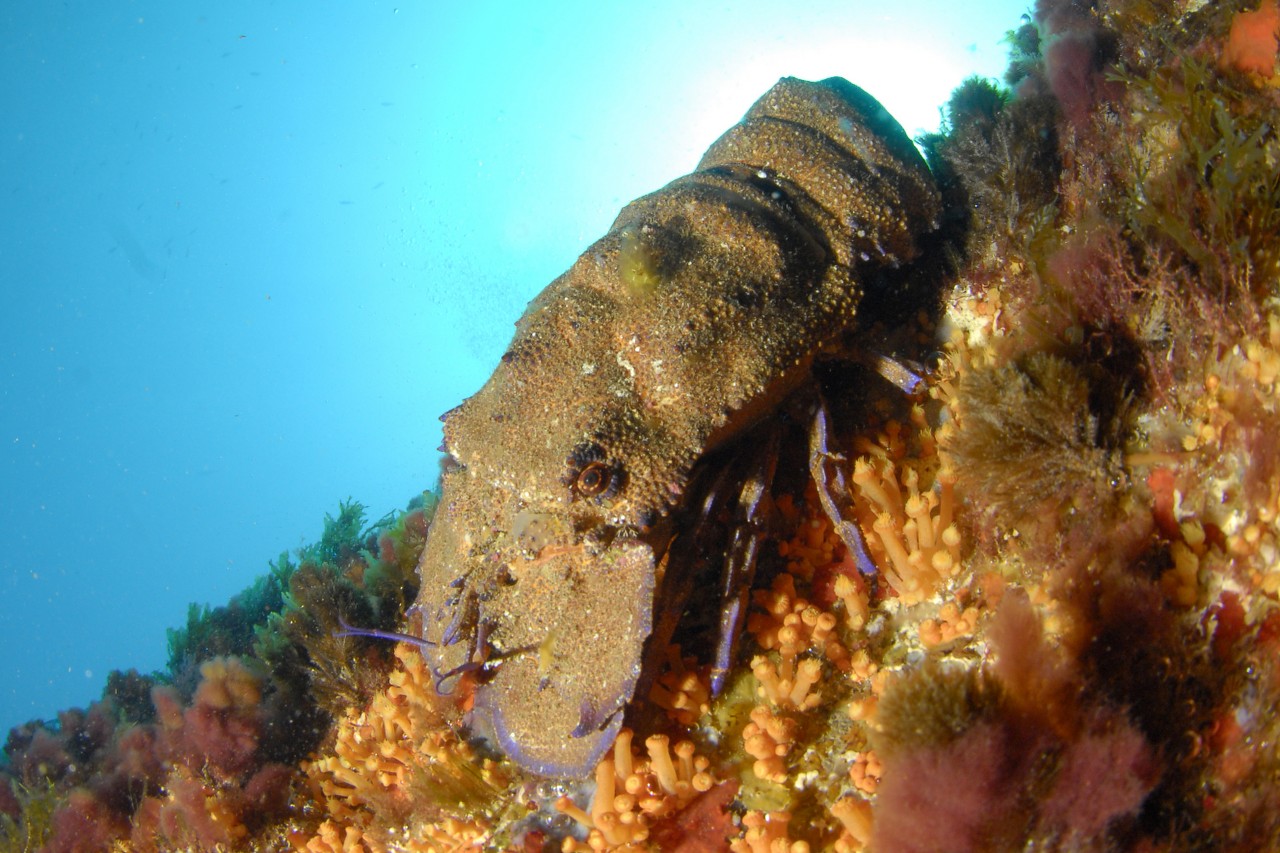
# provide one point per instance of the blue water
(251, 250)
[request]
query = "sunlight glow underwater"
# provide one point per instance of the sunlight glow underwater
(255, 254)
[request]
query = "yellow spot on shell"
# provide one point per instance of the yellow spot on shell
(638, 264)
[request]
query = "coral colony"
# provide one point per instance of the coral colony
(1070, 638)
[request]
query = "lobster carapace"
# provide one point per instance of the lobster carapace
(577, 476)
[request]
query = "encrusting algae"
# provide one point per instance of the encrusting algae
(1068, 638)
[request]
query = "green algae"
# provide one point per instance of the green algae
(37, 803)
(1206, 177)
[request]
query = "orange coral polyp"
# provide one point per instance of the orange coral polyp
(682, 690)
(854, 814)
(870, 483)
(791, 624)
(865, 772)
(807, 675)
(654, 788)
(380, 757)
(768, 739)
(604, 797)
(660, 760)
(918, 510)
(855, 599)
(915, 541)
(767, 833)
(887, 528)
(784, 687)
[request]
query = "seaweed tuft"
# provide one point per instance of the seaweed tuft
(1033, 433)
(933, 705)
(1204, 183)
(26, 814)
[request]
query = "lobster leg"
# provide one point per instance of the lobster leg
(833, 490)
(739, 568)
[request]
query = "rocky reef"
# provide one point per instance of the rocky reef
(1072, 637)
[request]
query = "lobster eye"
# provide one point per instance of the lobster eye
(594, 479)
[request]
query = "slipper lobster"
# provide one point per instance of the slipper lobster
(584, 480)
